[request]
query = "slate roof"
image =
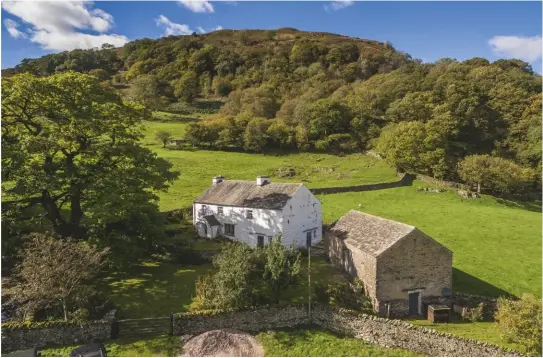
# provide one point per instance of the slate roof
(212, 220)
(370, 234)
(246, 193)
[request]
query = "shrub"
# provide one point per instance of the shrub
(520, 322)
(475, 314)
(341, 294)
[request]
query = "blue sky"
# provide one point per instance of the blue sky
(426, 30)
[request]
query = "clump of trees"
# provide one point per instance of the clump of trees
(56, 275)
(497, 174)
(244, 277)
(520, 322)
(73, 158)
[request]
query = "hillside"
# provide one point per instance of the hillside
(314, 91)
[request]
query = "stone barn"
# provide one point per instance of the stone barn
(402, 268)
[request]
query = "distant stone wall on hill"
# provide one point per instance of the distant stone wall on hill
(405, 180)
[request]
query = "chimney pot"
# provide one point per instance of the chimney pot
(262, 180)
(217, 179)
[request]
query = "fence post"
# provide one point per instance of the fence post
(171, 324)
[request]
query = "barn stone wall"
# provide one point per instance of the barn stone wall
(415, 262)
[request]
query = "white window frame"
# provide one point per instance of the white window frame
(249, 214)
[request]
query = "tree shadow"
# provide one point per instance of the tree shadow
(530, 205)
(466, 283)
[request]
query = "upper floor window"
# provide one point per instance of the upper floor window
(249, 214)
(219, 210)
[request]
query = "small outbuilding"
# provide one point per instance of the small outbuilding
(402, 268)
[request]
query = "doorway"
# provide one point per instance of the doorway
(308, 239)
(414, 303)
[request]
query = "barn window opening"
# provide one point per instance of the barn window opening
(219, 210)
(249, 214)
(229, 230)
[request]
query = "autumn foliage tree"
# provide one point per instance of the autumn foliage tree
(51, 273)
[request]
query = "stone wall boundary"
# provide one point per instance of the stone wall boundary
(384, 332)
(59, 333)
(405, 180)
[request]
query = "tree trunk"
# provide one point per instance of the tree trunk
(53, 213)
(65, 310)
(478, 188)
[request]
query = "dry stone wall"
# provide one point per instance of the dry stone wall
(380, 331)
(251, 321)
(14, 339)
(400, 334)
(405, 180)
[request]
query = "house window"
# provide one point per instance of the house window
(219, 210)
(249, 214)
(229, 230)
(260, 241)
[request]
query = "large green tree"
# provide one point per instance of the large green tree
(71, 147)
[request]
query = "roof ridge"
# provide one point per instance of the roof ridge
(382, 218)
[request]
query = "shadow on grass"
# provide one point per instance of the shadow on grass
(530, 205)
(466, 283)
(153, 289)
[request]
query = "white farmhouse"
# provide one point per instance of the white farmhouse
(254, 212)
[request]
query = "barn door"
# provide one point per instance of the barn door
(414, 298)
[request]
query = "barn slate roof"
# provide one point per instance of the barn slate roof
(369, 233)
(246, 193)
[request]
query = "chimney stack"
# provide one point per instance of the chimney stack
(218, 179)
(262, 180)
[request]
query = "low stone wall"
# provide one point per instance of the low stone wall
(447, 184)
(251, 321)
(405, 180)
(400, 334)
(62, 333)
(490, 304)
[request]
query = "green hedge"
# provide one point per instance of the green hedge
(12, 325)
(215, 312)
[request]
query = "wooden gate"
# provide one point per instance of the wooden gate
(143, 327)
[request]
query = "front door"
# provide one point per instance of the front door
(260, 241)
(414, 298)
(308, 239)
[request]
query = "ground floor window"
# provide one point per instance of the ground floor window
(308, 239)
(260, 241)
(229, 230)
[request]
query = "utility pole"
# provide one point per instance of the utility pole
(309, 278)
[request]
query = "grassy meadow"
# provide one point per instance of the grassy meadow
(496, 243)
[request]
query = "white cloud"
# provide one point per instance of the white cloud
(524, 48)
(12, 26)
(204, 31)
(338, 5)
(197, 5)
(54, 25)
(171, 28)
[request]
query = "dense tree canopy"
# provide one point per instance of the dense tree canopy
(328, 92)
(71, 148)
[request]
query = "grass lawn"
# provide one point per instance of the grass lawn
(481, 331)
(161, 346)
(153, 289)
(320, 343)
